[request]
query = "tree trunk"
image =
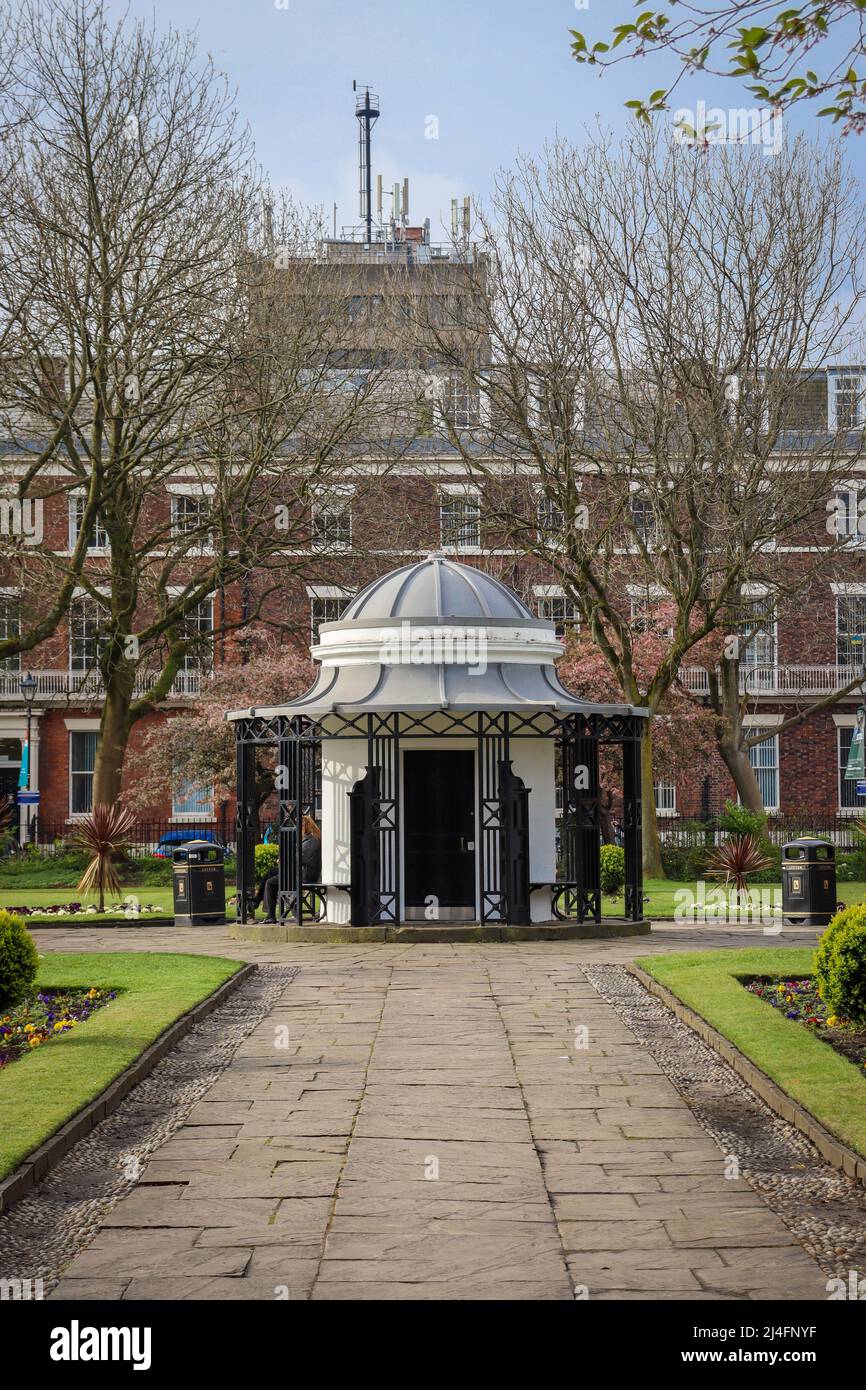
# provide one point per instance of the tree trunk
(651, 845)
(737, 762)
(729, 734)
(114, 728)
(605, 823)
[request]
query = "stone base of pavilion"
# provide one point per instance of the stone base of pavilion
(326, 933)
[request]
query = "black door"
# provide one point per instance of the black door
(439, 830)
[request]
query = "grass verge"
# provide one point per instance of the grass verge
(42, 1091)
(807, 1069)
(662, 901)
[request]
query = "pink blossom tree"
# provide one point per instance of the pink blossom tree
(683, 731)
(196, 746)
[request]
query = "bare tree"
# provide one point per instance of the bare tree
(176, 356)
(651, 315)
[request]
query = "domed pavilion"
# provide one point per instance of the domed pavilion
(453, 776)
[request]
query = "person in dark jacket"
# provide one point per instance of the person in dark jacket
(311, 869)
(268, 889)
(311, 851)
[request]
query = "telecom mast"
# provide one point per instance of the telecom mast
(367, 112)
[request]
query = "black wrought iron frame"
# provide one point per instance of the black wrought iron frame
(578, 737)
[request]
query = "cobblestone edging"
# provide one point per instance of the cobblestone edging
(833, 1150)
(47, 1227)
(40, 1162)
(825, 1208)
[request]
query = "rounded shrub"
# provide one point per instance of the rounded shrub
(736, 820)
(19, 960)
(675, 862)
(840, 965)
(697, 862)
(267, 858)
(612, 869)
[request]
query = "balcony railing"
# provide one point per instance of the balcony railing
(778, 680)
(85, 687)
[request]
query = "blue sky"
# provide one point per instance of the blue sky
(497, 75)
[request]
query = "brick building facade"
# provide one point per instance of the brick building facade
(423, 497)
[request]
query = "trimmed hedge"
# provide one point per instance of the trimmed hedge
(612, 869)
(840, 965)
(19, 960)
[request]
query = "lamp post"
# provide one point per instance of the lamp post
(28, 685)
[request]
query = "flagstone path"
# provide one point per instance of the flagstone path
(423, 1123)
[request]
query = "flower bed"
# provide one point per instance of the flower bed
(126, 909)
(50, 1015)
(799, 1000)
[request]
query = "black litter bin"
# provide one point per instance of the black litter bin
(808, 882)
(199, 884)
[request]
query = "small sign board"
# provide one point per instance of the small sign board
(28, 798)
(861, 788)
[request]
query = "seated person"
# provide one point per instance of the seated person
(311, 869)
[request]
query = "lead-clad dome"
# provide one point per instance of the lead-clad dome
(437, 587)
(436, 635)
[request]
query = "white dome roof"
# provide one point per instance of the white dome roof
(437, 635)
(437, 587)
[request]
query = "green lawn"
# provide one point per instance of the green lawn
(42, 1091)
(661, 903)
(808, 1070)
(44, 897)
(662, 892)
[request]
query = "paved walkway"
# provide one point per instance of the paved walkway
(426, 1122)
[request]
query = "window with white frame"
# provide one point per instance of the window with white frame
(86, 616)
(848, 797)
(98, 538)
(189, 799)
(554, 607)
(332, 521)
(646, 613)
(665, 798)
(848, 400)
(850, 629)
(82, 761)
(461, 402)
(190, 513)
(550, 519)
(643, 519)
(326, 608)
(848, 518)
(757, 633)
(460, 520)
(764, 758)
(198, 627)
(10, 626)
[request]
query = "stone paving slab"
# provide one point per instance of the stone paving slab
(434, 1131)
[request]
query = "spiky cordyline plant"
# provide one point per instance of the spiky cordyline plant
(104, 834)
(739, 856)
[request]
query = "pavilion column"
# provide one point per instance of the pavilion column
(289, 831)
(632, 827)
(246, 779)
(587, 796)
